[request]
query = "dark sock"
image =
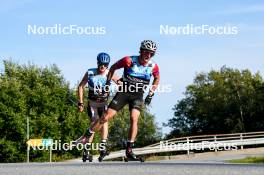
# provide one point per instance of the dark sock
(103, 145)
(130, 145)
(87, 146)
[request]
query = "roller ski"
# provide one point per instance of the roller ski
(130, 156)
(87, 156)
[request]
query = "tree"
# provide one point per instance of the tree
(40, 94)
(225, 101)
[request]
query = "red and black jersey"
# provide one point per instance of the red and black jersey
(134, 72)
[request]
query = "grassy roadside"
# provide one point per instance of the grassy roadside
(248, 160)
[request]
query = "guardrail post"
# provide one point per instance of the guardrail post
(50, 154)
(188, 145)
(28, 149)
(241, 138)
(215, 140)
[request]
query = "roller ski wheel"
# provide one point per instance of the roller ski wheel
(87, 156)
(139, 159)
(90, 158)
(142, 159)
(102, 155)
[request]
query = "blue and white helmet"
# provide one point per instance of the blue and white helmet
(103, 58)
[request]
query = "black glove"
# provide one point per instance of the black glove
(107, 87)
(105, 94)
(80, 104)
(119, 81)
(148, 99)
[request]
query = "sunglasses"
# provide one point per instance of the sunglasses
(103, 64)
(147, 52)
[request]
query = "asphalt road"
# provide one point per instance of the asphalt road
(123, 168)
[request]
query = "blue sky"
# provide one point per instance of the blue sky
(127, 23)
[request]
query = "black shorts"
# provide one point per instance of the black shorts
(96, 110)
(135, 101)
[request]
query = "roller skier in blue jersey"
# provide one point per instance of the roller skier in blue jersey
(97, 101)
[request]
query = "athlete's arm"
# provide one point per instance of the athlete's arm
(154, 85)
(156, 80)
(110, 74)
(156, 75)
(124, 62)
(81, 88)
(116, 79)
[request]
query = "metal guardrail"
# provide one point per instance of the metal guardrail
(204, 143)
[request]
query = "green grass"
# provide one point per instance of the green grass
(248, 160)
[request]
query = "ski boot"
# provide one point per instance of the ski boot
(130, 156)
(104, 151)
